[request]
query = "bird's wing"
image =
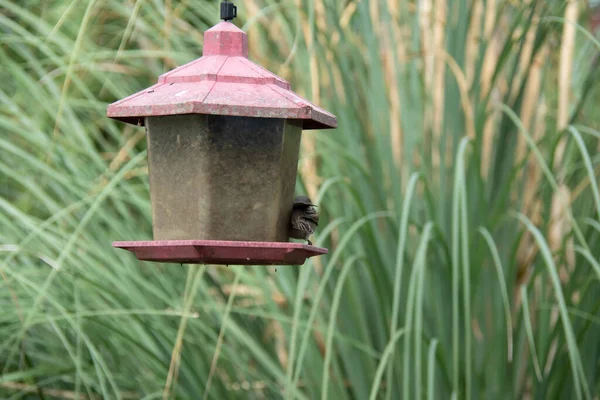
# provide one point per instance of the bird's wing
(313, 216)
(301, 224)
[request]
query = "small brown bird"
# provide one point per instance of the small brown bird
(304, 219)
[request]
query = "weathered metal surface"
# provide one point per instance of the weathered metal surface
(221, 252)
(222, 178)
(222, 82)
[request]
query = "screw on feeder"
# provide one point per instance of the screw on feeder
(228, 11)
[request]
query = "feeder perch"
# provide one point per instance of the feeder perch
(223, 142)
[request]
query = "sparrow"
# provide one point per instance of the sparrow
(304, 219)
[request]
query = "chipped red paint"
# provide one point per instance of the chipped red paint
(222, 82)
(221, 252)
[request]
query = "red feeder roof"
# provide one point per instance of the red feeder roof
(222, 82)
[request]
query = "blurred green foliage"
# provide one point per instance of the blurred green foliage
(459, 200)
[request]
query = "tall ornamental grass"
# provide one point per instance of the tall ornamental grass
(459, 200)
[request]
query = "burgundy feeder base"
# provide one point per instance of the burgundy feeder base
(221, 252)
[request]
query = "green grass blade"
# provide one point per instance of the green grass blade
(588, 166)
(337, 295)
(456, 221)
(529, 332)
(574, 354)
(382, 363)
(431, 370)
(400, 254)
(412, 322)
(503, 290)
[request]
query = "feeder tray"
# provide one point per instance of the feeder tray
(221, 252)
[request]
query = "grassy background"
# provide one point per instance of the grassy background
(459, 200)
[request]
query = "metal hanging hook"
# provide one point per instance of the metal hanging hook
(228, 11)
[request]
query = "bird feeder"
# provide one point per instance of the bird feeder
(223, 142)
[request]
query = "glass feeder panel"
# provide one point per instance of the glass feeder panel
(221, 177)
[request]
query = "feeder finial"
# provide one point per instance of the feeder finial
(228, 11)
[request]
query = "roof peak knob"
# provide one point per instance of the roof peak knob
(228, 11)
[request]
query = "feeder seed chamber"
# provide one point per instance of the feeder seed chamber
(223, 142)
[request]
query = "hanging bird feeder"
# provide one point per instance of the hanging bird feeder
(223, 143)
